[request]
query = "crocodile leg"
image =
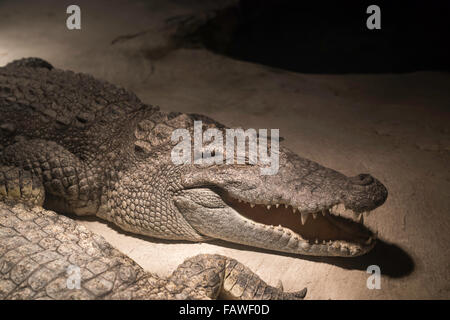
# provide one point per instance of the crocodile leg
(225, 278)
(69, 185)
(20, 186)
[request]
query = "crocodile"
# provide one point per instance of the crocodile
(76, 145)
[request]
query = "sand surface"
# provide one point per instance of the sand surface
(394, 126)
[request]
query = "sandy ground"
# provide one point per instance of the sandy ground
(394, 126)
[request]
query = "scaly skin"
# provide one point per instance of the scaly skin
(37, 247)
(74, 144)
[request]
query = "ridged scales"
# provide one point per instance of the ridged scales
(37, 247)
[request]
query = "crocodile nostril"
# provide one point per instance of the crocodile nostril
(362, 179)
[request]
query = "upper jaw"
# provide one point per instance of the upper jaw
(338, 209)
(324, 189)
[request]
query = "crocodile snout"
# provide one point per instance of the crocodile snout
(365, 193)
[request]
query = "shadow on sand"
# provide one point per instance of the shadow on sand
(393, 261)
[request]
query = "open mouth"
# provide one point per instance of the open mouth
(330, 227)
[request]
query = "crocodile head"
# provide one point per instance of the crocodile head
(304, 208)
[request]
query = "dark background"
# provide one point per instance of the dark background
(332, 37)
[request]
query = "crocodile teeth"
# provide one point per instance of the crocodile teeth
(285, 205)
(314, 215)
(338, 209)
(324, 212)
(252, 205)
(334, 210)
(268, 207)
(360, 218)
(277, 205)
(304, 217)
(294, 209)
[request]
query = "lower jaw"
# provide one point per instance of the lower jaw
(324, 235)
(241, 230)
(291, 244)
(282, 242)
